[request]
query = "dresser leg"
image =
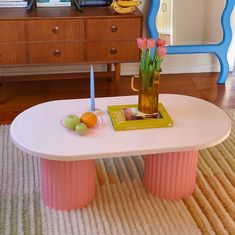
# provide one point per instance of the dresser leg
(117, 78)
(109, 69)
(67, 185)
(1, 93)
(4, 96)
(171, 175)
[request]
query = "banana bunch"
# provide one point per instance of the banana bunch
(125, 6)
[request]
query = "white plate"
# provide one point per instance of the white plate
(89, 130)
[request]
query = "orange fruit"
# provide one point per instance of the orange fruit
(89, 119)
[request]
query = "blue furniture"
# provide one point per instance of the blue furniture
(220, 49)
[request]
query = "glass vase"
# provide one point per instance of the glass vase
(148, 91)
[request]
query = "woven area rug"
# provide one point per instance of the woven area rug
(121, 206)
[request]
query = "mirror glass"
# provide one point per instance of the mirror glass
(190, 22)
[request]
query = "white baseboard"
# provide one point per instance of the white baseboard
(50, 69)
(126, 69)
(130, 69)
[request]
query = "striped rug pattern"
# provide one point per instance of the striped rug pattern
(121, 206)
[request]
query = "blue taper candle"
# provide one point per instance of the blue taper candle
(92, 89)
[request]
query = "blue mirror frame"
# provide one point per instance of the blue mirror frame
(220, 49)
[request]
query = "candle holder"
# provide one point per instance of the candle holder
(92, 89)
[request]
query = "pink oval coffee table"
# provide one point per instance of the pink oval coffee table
(67, 166)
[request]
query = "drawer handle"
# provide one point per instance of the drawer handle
(57, 53)
(114, 28)
(113, 51)
(55, 29)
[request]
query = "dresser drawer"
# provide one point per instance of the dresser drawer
(112, 51)
(113, 29)
(46, 30)
(12, 54)
(12, 31)
(55, 52)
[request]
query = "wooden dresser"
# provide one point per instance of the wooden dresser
(65, 36)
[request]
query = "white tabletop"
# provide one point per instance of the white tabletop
(38, 131)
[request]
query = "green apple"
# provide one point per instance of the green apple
(81, 128)
(71, 121)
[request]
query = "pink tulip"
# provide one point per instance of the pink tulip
(142, 43)
(160, 43)
(150, 43)
(161, 51)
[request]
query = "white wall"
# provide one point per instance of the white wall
(231, 51)
(199, 62)
(213, 32)
(188, 22)
(164, 17)
(171, 64)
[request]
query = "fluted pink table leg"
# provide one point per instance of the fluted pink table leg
(67, 185)
(171, 175)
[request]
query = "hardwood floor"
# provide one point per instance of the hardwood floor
(18, 96)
